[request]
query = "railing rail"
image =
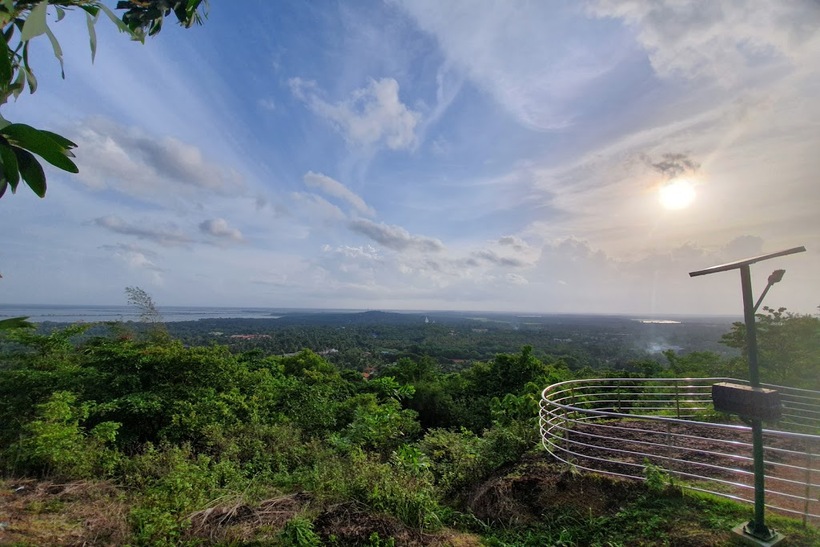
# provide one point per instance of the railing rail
(619, 426)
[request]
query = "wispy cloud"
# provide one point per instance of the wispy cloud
(372, 116)
(167, 235)
(338, 190)
(395, 237)
(526, 55)
(134, 256)
(219, 228)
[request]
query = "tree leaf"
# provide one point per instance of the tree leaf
(19, 82)
(59, 139)
(32, 171)
(32, 81)
(60, 13)
(90, 22)
(5, 66)
(116, 20)
(35, 24)
(42, 144)
(10, 170)
(58, 51)
(3, 185)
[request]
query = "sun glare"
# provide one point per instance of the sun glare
(677, 194)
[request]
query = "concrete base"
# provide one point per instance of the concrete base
(748, 539)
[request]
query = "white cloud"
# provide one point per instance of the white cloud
(219, 228)
(315, 209)
(166, 234)
(716, 40)
(148, 167)
(367, 252)
(395, 237)
(338, 190)
(534, 58)
(373, 116)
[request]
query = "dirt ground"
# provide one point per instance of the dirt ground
(691, 449)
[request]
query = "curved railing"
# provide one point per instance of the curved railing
(621, 426)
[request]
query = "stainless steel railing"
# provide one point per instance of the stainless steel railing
(621, 426)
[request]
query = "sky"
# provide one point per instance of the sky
(510, 155)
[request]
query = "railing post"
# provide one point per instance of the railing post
(809, 460)
(677, 399)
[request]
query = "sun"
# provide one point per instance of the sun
(677, 194)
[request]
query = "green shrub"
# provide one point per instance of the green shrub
(56, 445)
(298, 532)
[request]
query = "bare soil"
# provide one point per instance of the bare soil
(683, 454)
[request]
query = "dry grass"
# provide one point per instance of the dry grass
(74, 513)
(234, 521)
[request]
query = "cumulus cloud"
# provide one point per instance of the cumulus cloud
(167, 235)
(707, 39)
(372, 116)
(338, 190)
(219, 228)
(151, 167)
(395, 237)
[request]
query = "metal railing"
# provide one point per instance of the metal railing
(620, 426)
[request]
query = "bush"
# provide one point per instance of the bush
(54, 444)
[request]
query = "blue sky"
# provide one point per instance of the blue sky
(469, 155)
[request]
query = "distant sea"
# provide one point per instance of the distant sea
(89, 314)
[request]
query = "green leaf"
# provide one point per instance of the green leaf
(59, 139)
(32, 81)
(58, 51)
(42, 144)
(35, 24)
(3, 185)
(5, 67)
(11, 173)
(60, 13)
(91, 21)
(19, 82)
(116, 20)
(32, 171)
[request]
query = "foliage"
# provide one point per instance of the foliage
(298, 532)
(181, 426)
(788, 347)
(24, 20)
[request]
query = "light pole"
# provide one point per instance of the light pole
(756, 529)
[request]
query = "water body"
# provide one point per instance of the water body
(90, 314)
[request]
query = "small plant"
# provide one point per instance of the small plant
(298, 532)
(657, 478)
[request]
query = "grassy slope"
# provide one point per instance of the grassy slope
(532, 503)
